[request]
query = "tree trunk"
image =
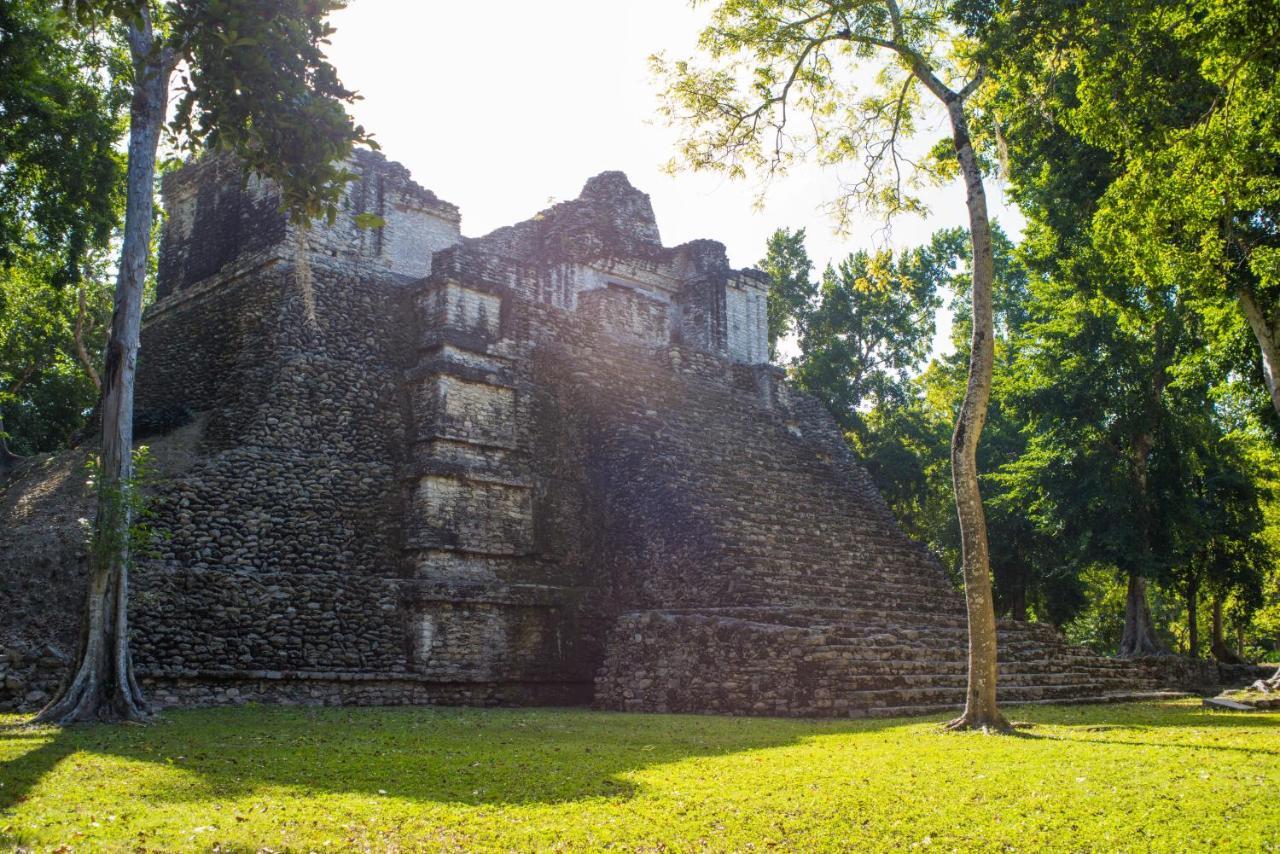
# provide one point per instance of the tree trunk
(1265, 335)
(84, 326)
(981, 710)
(102, 686)
(1139, 639)
(1193, 620)
(1219, 648)
(1219, 639)
(1018, 600)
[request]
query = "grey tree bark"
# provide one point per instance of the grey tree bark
(1139, 639)
(101, 685)
(1268, 348)
(981, 709)
(1265, 333)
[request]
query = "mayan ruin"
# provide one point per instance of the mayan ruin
(691, 426)
(549, 465)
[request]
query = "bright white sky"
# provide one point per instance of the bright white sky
(505, 106)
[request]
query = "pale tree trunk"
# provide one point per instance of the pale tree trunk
(1139, 639)
(1265, 335)
(102, 685)
(981, 710)
(1268, 686)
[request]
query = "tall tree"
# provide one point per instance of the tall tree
(1217, 499)
(809, 58)
(1091, 383)
(254, 82)
(1058, 180)
(1195, 126)
(791, 287)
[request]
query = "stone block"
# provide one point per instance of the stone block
(461, 410)
(471, 516)
(451, 306)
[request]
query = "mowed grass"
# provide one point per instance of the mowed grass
(1139, 777)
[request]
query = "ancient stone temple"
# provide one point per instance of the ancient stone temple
(546, 465)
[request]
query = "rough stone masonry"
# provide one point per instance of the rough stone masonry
(546, 465)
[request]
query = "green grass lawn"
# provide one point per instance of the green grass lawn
(1135, 777)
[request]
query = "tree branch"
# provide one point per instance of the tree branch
(82, 353)
(969, 88)
(919, 65)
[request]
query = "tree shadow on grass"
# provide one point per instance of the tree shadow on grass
(483, 756)
(1144, 719)
(450, 756)
(1150, 715)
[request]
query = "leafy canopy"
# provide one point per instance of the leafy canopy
(791, 79)
(253, 80)
(62, 114)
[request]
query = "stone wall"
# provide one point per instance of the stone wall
(219, 219)
(389, 482)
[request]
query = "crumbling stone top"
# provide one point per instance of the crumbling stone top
(609, 219)
(605, 239)
(408, 191)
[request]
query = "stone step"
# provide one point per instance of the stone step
(959, 666)
(851, 595)
(869, 578)
(807, 616)
(843, 685)
(830, 608)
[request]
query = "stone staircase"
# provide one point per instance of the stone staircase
(808, 599)
(841, 661)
